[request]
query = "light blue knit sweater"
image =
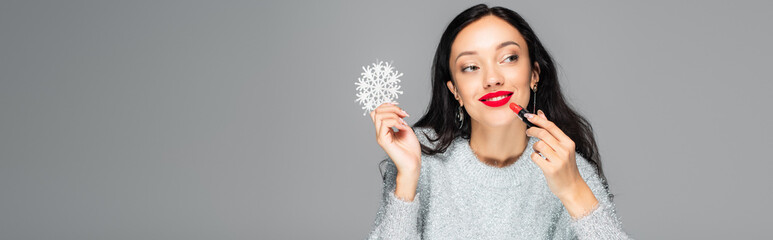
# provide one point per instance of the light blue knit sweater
(460, 197)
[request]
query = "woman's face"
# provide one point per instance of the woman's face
(489, 55)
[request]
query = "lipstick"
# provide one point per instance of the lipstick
(521, 114)
(499, 98)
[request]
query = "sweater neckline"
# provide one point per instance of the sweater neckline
(486, 175)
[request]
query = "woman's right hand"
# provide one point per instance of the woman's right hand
(403, 146)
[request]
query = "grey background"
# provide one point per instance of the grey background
(237, 119)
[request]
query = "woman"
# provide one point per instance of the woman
(474, 170)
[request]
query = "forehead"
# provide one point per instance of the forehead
(484, 35)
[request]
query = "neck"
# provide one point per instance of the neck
(498, 146)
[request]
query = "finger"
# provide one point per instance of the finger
(388, 104)
(542, 147)
(541, 162)
(376, 122)
(545, 136)
(547, 153)
(384, 114)
(403, 127)
(551, 127)
(386, 127)
(373, 113)
(387, 110)
(387, 107)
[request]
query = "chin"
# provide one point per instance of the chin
(500, 119)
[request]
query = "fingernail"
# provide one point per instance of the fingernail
(529, 115)
(404, 123)
(406, 114)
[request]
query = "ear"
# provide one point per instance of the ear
(535, 74)
(452, 88)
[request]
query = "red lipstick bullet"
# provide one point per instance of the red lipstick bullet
(521, 114)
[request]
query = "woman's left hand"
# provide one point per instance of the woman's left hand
(559, 163)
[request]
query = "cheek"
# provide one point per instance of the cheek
(466, 89)
(518, 76)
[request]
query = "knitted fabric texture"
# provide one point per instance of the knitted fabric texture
(460, 197)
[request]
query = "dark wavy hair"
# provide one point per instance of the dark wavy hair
(441, 112)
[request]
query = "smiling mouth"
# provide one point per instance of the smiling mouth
(497, 98)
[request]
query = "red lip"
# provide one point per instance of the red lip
(496, 94)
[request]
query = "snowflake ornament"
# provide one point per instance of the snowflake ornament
(379, 84)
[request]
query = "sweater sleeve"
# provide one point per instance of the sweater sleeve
(396, 218)
(602, 221)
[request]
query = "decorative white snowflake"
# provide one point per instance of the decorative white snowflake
(378, 84)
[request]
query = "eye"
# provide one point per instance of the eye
(512, 57)
(472, 67)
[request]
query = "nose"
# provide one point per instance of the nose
(493, 78)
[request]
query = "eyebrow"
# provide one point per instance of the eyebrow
(501, 45)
